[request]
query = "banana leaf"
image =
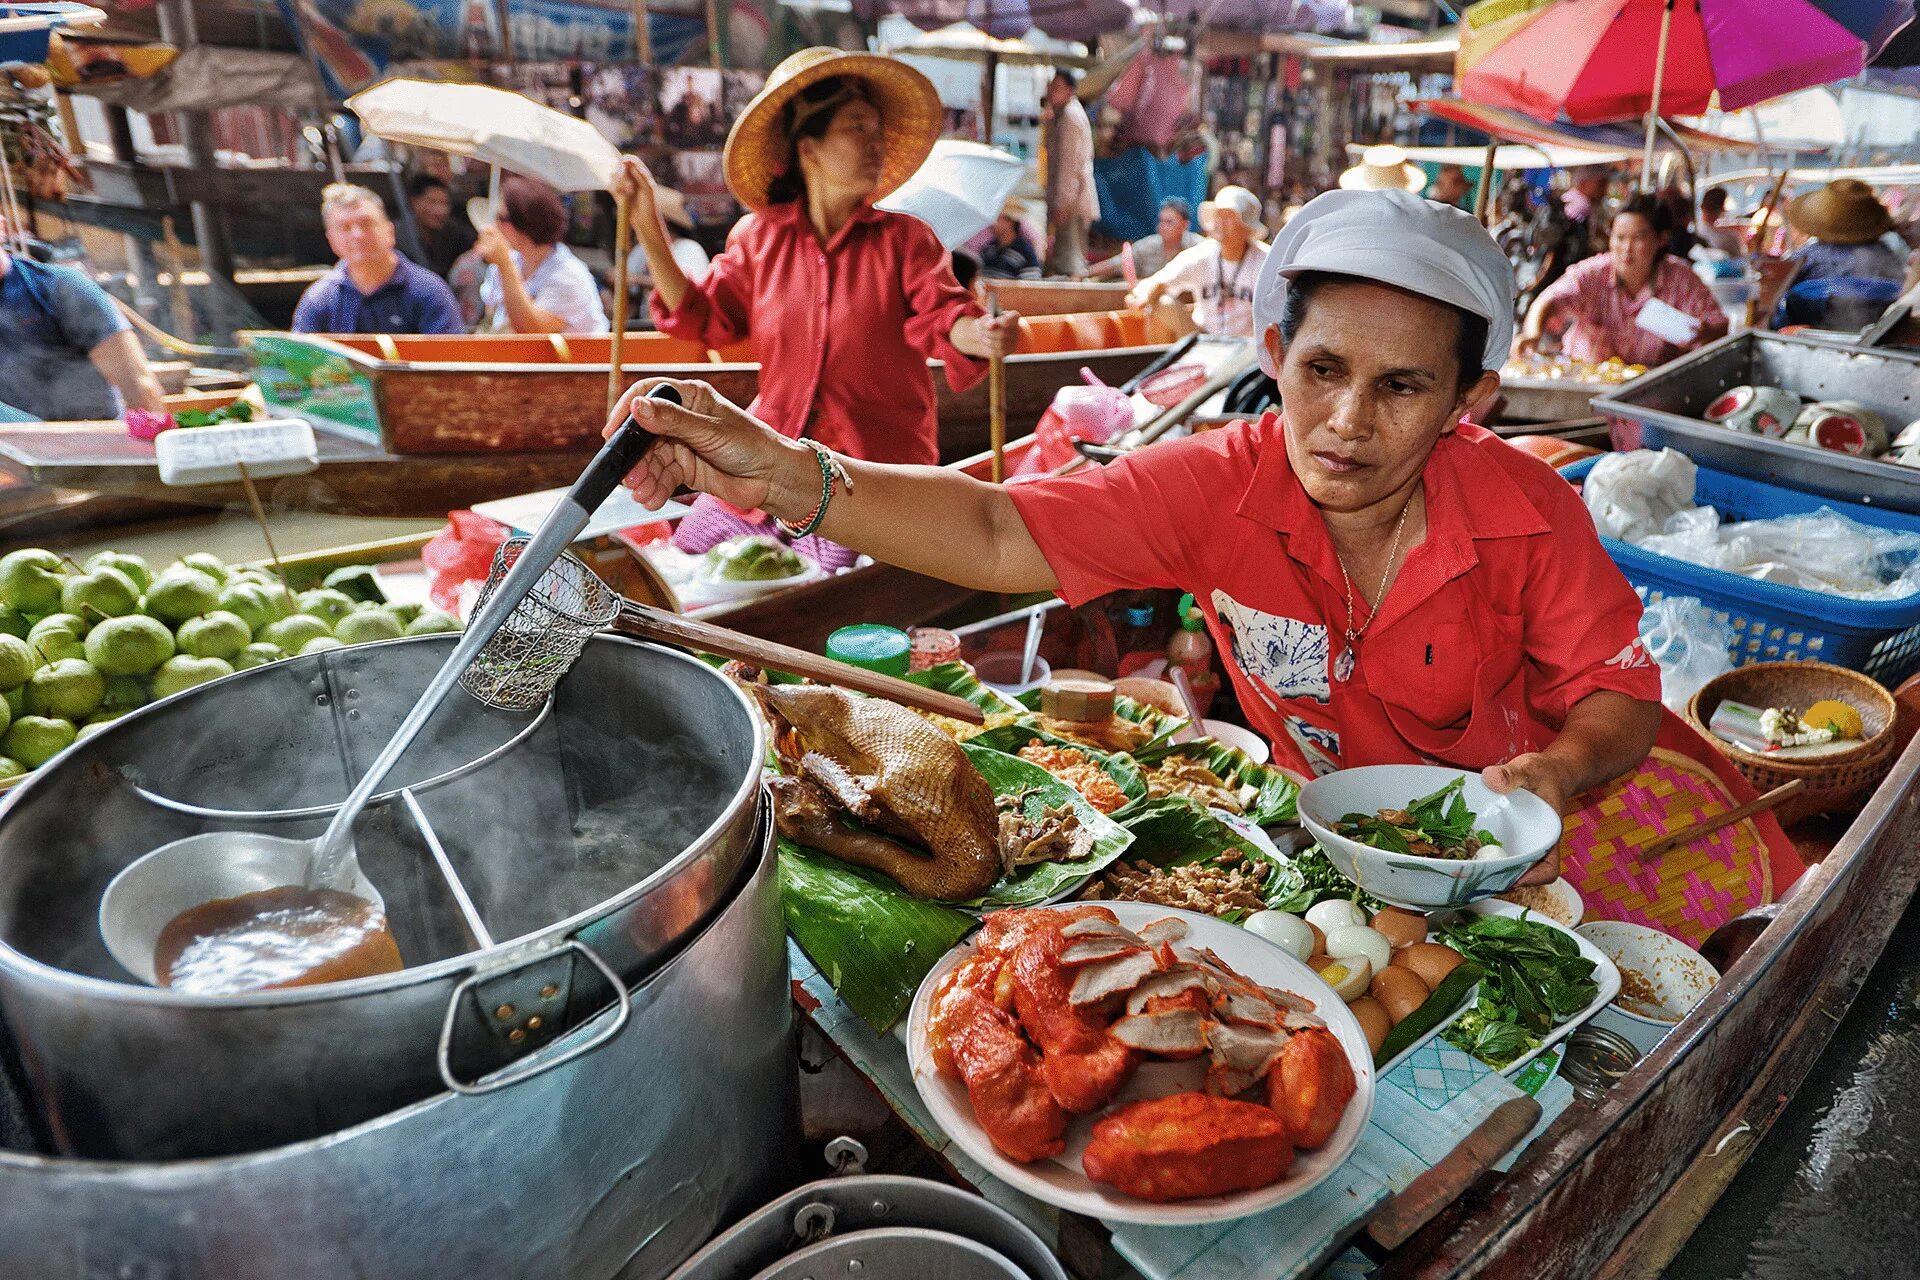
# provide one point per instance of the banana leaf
(957, 678)
(1275, 803)
(1043, 881)
(871, 940)
(1162, 725)
(1172, 831)
(1009, 738)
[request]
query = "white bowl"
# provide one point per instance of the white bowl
(1526, 827)
(1000, 670)
(1678, 976)
(1234, 736)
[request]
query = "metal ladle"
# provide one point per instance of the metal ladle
(186, 873)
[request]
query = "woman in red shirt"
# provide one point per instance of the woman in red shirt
(1392, 586)
(845, 303)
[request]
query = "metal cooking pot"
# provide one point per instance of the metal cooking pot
(534, 867)
(619, 1164)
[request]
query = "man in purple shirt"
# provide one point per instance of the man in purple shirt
(374, 289)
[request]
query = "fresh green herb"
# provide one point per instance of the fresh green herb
(1533, 978)
(238, 411)
(1434, 826)
(1498, 1044)
(1309, 877)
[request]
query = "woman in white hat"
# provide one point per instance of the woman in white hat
(844, 303)
(1219, 272)
(1393, 585)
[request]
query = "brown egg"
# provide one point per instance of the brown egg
(1402, 928)
(1399, 992)
(1373, 1021)
(1318, 961)
(1431, 962)
(1319, 938)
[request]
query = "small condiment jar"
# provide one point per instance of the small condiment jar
(1084, 701)
(872, 646)
(930, 647)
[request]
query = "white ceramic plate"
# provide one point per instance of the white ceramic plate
(1060, 1181)
(1605, 974)
(741, 588)
(1525, 826)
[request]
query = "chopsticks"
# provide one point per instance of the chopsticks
(1707, 826)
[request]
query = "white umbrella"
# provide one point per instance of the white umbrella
(960, 189)
(493, 126)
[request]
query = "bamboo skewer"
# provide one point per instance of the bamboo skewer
(1707, 826)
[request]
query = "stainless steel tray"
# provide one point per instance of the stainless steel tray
(1664, 407)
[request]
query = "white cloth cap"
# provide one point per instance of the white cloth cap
(1393, 238)
(1240, 200)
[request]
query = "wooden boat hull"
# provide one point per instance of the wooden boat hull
(472, 395)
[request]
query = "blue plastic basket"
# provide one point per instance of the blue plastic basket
(1775, 623)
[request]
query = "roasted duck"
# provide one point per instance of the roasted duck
(928, 815)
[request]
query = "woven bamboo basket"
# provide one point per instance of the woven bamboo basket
(1831, 783)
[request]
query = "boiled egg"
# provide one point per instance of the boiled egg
(1373, 1020)
(1402, 927)
(1348, 977)
(1488, 852)
(1335, 913)
(1359, 940)
(1399, 992)
(1285, 930)
(1431, 962)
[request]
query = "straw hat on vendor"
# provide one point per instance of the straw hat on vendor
(844, 303)
(1389, 584)
(1384, 168)
(1845, 211)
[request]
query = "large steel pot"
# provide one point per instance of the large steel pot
(527, 862)
(619, 1164)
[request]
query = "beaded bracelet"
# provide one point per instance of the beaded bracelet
(830, 470)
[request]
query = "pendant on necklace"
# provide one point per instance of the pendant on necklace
(1343, 665)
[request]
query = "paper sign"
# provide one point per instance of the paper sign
(1665, 321)
(214, 455)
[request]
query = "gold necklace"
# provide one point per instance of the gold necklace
(1344, 664)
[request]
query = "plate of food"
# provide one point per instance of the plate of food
(1137, 1063)
(752, 565)
(1424, 836)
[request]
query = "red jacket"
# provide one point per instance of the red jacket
(843, 332)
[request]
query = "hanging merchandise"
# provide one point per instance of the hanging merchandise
(1151, 96)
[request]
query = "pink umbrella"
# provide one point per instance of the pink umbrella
(1595, 61)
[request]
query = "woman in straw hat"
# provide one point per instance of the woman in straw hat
(1848, 234)
(845, 303)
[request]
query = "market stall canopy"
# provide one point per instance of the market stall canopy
(207, 78)
(1513, 126)
(1596, 61)
(1080, 20)
(1257, 15)
(1408, 55)
(26, 29)
(493, 126)
(1512, 155)
(960, 189)
(1810, 120)
(963, 40)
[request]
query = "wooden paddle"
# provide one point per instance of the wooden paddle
(1707, 826)
(997, 402)
(1457, 1171)
(622, 233)
(657, 624)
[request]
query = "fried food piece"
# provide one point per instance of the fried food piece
(899, 776)
(1188, 1145)
(1309, 1087)
(980, 1043)
(1226, 884)
(1078, 770)
(1082, 1065)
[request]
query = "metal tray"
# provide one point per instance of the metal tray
(1665, 408)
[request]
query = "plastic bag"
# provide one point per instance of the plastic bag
(1691, 645)
(1632, 495)
(1819, 551)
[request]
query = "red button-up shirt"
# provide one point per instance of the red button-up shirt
(1507, 614)
(1605, 315)
(843, 331)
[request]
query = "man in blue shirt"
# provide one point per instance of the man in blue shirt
(374, 289)
(67, 353)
